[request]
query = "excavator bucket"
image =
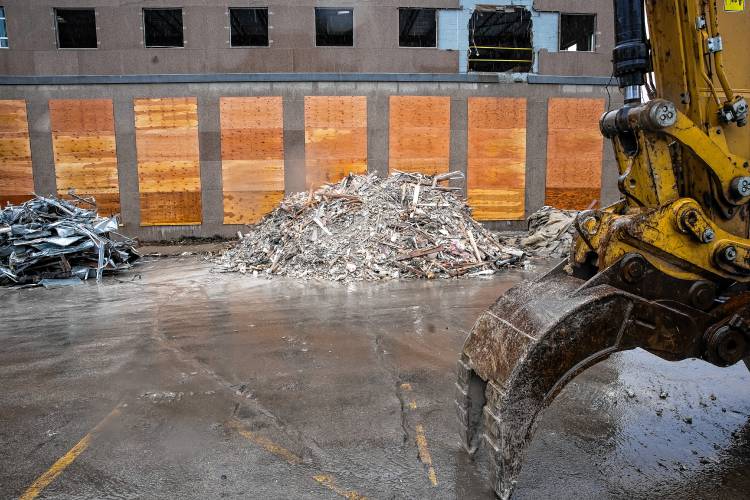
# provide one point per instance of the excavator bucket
(536, 338)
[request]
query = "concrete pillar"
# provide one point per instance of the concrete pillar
(294, 142)
(459, 138)
(40, 139)
(610, 175)
(378, 119)
(209, 141)
(536, 153)
(127, 162)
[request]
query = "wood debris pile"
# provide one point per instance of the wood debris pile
(550, 233)
(54, 242)
(369, 228)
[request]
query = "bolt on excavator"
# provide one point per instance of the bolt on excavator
(665, 269)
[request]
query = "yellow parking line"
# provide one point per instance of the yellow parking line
(293, 459)
(63, 462)
(267, 444)
(424, 454)
(329, 483)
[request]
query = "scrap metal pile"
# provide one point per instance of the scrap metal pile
(550, 233)
(50, 241)
(369, 228)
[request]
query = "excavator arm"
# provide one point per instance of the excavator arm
(665, 269)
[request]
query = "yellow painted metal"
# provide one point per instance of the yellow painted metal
(680, 210)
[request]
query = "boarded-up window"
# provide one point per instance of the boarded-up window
(496, 170)
(83, 142)
(574, 152)
(252, 157)
(16, 179)
(166, 135)
(335, 138)
(419, 134)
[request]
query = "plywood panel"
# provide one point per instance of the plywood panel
(252, 157)
(419, 134)
(335, 138)
(84, 149)
(574, 152)
(496, 169)
(166, 135)
(16, 178)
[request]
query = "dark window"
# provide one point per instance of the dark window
(334, 27)
(577, 32)
(3, 32)
(249, 27)
(500, 40)
(163, 27)
(417, 27)
(76, 28)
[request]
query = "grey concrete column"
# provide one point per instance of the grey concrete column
(294, 142)
(127, 162)
(378, 117)
(610, 175)
(40, 139)
(209, 143)
(536, 153)
(459, 138)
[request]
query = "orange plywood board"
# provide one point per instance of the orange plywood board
(252, 157)
(419, 134)
(16, 178)
(574, 152)
(496, 159)
(166, 136)
(85, 153)
(335, 138)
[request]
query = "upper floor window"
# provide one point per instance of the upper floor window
(417, 27)
(3, 31)
(249, 27)
(76, 28)
(577, 32)
(500, 39)
(334, 27)
(163, 28)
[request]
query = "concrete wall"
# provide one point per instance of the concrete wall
(33, 47)
(293, 94)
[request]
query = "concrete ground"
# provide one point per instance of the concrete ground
(177, 382)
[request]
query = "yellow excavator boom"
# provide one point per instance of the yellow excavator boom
(667, 268)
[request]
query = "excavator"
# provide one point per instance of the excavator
(665, 269)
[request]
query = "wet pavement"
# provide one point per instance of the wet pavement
(178, 382)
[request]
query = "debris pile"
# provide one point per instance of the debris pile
(49, 241)
(550, 233)
(369, 228)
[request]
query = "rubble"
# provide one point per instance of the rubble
(53, 242)
(550, 233)
(370, 228)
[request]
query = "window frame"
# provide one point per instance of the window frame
(437, 27)
(593, 34)
(315, 28)
(55, 10)
(5, 24)
(143, 27)
(268, 27)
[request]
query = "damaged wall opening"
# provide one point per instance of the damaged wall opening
(249, 27)
(577, 32)
(76, 28)
(163, 27)
(500, 40)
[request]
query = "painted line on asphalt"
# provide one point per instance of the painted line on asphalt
(329, 483)
(293, 459)
(63, 462)
(424, 454)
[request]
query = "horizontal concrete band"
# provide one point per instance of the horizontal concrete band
(306, 77)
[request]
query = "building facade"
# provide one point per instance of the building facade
(193, 119)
